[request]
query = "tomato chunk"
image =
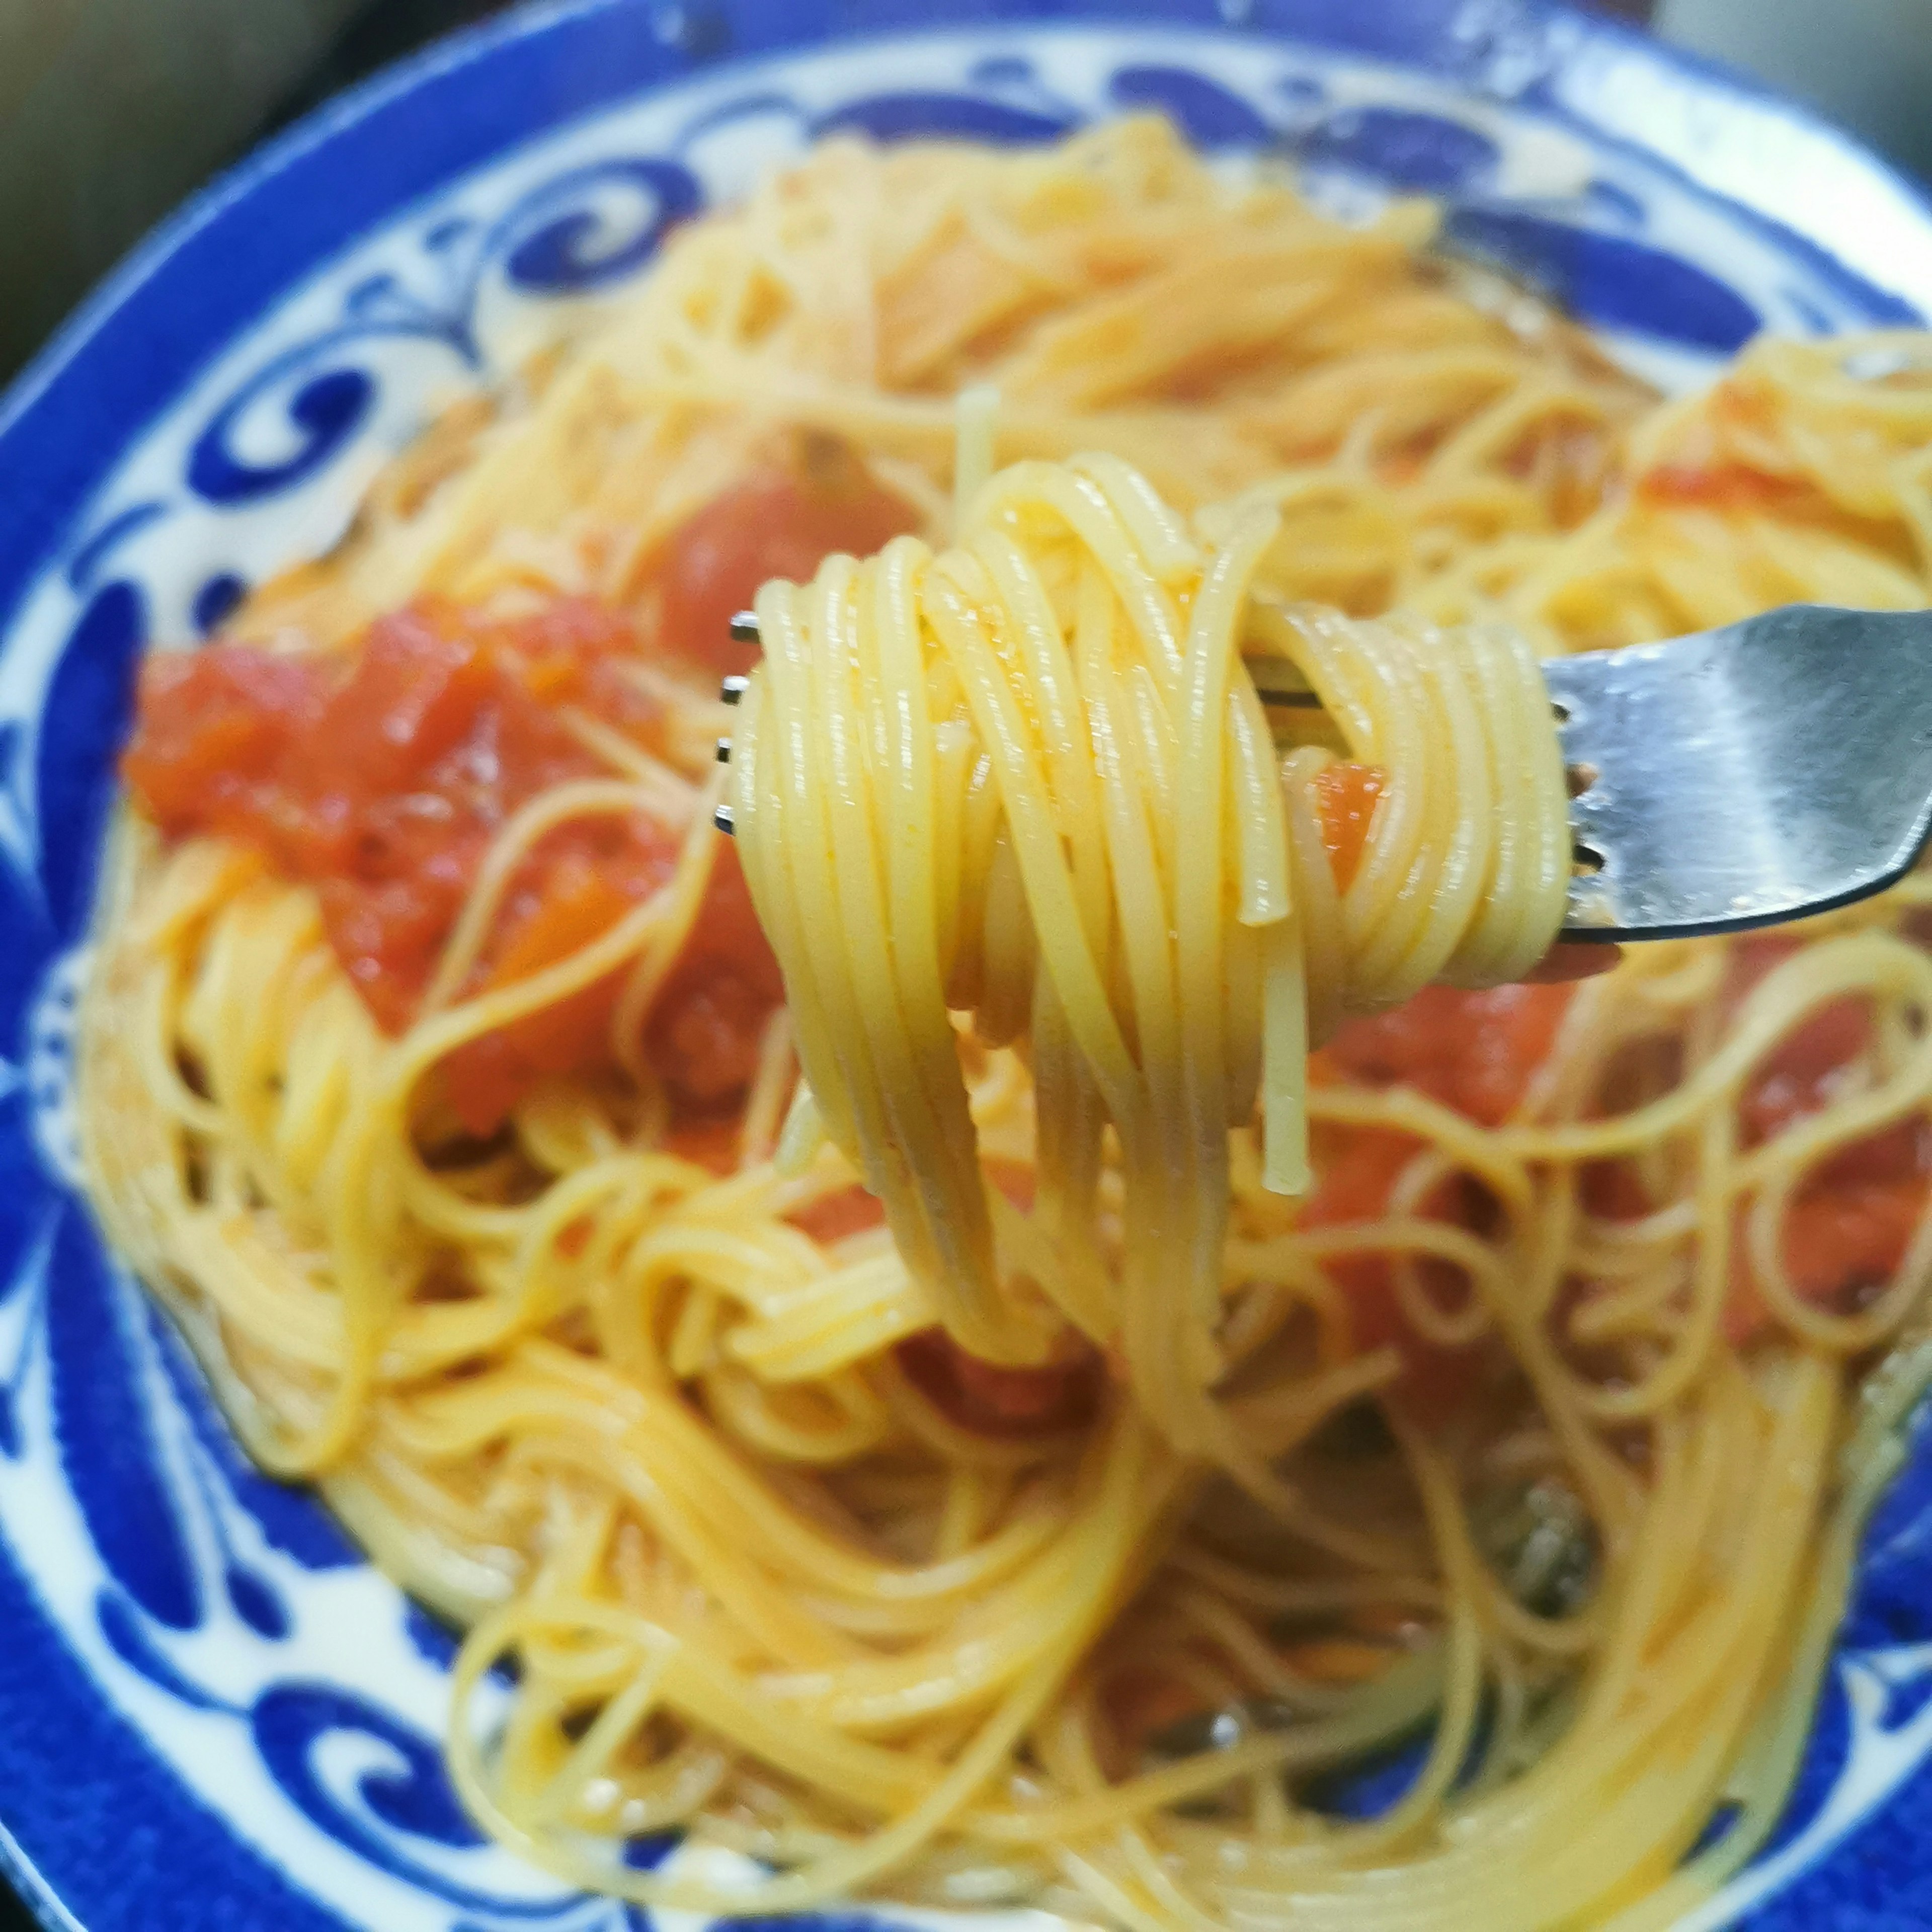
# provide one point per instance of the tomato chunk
(1844, 1238)
(707, 1026)
(485, 1077)
(381, 779)
(1005, 1402)
(1357, 1177)
(1721, 486)
(783, 522)
(1476, 1052)
(1847, 1231)
(1346, 796)
(1839, 1244)
(832, 1217)
(215, 726)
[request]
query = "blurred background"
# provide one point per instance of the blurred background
(111, 110)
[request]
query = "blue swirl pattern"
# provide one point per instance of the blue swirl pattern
(211, 1592)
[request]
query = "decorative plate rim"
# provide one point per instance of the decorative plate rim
(75, 411)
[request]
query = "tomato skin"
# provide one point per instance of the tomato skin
(1005, 1403)
(781, 522)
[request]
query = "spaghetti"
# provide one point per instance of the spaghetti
(437, 1080)
(1031, 780)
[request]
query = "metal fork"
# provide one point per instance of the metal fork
(1741, 777)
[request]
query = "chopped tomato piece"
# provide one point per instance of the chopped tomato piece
(1848, 1231)
(380, 779)
(833, 1216)
(1725, 486)
(1841, 1239)
(1005, 1402)
(1612, 1190)
(485, 1078)
(214, 726)
(1810, 1064)
(1017, 1180)
(782, 522)
(1475, 1052)
(1346, 796)
(1901, 1152)
(710, 1143)
(414, 695)
(1839, 1242)
(709, 1021)
(1357, 1176)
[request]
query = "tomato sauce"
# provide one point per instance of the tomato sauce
(1475, 1052)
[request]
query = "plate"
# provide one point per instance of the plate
(213, 1714)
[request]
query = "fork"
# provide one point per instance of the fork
(1741, 777)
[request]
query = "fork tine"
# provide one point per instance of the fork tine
(1765, 772)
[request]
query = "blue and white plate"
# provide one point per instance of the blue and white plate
(213, 1714)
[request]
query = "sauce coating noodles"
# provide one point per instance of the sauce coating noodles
(1080, 1547)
